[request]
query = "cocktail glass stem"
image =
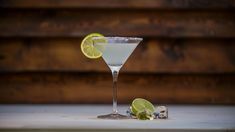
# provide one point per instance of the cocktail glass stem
(114, 114)
(115, 79)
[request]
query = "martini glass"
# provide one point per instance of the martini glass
(115, 52)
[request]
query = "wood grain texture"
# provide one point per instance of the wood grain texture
(187, 55)
(152, 56)
(78, 23)
(97, 88)
(140, 4)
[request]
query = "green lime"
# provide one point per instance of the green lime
(88, 48)
(140, 105)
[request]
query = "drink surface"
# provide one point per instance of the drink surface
(116, 54)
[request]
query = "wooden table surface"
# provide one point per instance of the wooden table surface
(83, 118)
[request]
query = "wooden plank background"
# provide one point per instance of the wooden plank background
(139, 4)
(151, 56)
(96, 88)
(144, 23)
(187, 56)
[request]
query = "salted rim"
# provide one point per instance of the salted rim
(125, 39)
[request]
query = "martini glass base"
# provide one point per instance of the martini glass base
(113, 116)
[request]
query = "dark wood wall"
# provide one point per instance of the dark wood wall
(187, 56)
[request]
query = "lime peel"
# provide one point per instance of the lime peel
(145, 115)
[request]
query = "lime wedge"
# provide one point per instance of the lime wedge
(88, 48)
(139, 105)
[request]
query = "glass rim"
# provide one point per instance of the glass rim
(119, 38)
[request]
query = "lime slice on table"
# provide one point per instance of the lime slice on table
(88, 48)
(139, 105)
